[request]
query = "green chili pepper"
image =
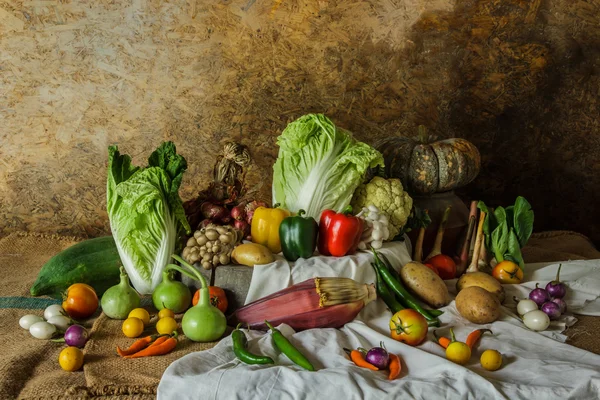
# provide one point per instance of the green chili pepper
(384, 292)
(288, 349)
(397, 288)
(239, 348)
(385, 262)
(298, 236)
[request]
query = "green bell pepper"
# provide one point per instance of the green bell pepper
(298, 236)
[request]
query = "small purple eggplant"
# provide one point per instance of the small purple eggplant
(561, 304)
(378, 356)
(556, 288)
(539, 295)
(552, 309)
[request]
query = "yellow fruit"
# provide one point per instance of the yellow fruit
(132, 327)
(165, 312)
(70, 359)
(458, 352)
(166, 325)
(141, 314)
(491, 360)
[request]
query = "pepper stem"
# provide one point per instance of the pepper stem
(347, 210)
(452, 335)
(269, 325)
(301, 212)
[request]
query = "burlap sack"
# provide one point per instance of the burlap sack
(29, 367)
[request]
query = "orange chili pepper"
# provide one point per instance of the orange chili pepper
(160, 340)
(394, 367)
(359, 360)
(158, 350)
(136, 346)
(474, 337)
(442, 340)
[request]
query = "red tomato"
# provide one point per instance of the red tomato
(217, 298)
(445, 265)
(81, 301)
(408, 326)
(431, 267)
(507, 272)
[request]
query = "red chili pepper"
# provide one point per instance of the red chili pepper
(339, 233)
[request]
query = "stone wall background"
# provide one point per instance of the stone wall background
(520, 79)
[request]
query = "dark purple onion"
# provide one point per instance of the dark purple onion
(561, 304)
(76, 335)
(552, 309)
(379, 357)
(539, 295)
(556, 288)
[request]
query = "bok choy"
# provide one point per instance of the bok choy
(146, 213)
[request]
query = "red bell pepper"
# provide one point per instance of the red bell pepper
(339, 233)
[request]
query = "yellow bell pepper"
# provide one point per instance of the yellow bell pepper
(265, 227)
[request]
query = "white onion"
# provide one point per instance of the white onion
(27, 320)
(373, 209)
(377, 235)
(376, 244)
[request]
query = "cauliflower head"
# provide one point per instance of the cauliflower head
(389, 196)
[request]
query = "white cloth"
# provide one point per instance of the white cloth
(535, 365)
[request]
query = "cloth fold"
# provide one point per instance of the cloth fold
(536, 365)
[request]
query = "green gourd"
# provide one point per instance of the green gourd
(202, 322)
(93, 261)
(171, 294)
(118, 301)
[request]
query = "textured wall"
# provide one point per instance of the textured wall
(518, 78)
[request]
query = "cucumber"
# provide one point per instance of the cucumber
(94, 261)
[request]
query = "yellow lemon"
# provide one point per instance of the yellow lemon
(141, 314)
(132, 327)
(491, 360)
(70, 359)
(165, 312)
(166, 325)
(458, 352)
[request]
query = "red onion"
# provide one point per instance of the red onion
(561, 304)
(242, 226)
(539, 295)
(552, 309)
(76, 335)
(212, 211)
(556, 288)
(238, 212)
(378, 356)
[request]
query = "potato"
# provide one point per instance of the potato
(482, 280)
(425, 284)
(251, 254)
(478, 305)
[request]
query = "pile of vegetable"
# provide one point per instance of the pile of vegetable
(212, 245)
(543, 305)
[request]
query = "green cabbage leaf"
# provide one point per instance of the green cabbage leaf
(319, 166)
(146, 213)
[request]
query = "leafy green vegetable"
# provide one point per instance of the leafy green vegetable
(507, 230)
(523, 220)
(319, 166)
(146, 213)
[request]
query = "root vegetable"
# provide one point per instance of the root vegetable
(474, 266)
(463, 260)
(444, 264)
(478, 305)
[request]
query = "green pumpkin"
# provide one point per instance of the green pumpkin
(427, 167)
